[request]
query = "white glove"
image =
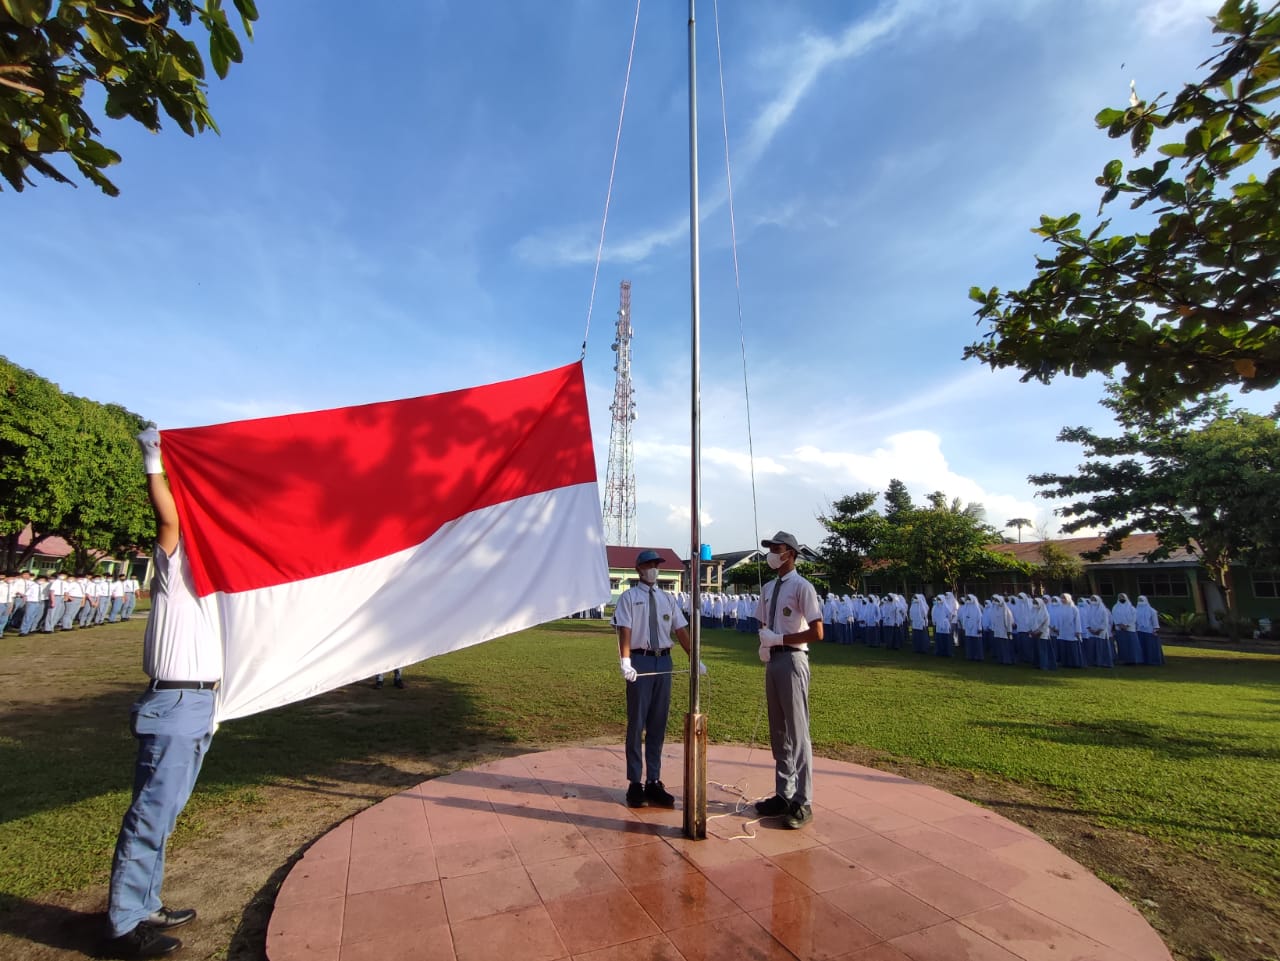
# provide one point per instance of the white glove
(149, 441)
(765, 653)
(702, 669)
(628, 672)
(770, 638)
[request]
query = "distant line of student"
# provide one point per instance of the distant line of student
(1047, 632)
(60, 602)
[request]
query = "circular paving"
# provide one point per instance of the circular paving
(536, 858)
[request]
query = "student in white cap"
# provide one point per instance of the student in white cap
(645, 618)
(791, 617)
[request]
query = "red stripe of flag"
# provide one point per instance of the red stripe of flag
(279, 499)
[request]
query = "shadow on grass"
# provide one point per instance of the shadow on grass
(1128, 733)
(60, 752)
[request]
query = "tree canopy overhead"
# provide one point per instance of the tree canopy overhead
(1192, 303)
(135, 50)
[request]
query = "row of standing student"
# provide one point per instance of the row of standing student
(46, 604)
(1045, 632)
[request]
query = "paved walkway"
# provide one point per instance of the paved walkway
(536, 858)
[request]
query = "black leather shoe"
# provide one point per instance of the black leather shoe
(635, 795)
(773, 806)
(166, 918)
(144, 941)
(658, 795)
(799, 816)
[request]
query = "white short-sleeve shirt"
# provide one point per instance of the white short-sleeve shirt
(182, 641)
(798, 606)
(632, 611)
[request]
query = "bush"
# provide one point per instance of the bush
(1185, 622)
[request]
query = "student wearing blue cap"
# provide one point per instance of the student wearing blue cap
(645, 618)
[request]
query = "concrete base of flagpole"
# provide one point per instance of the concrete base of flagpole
(695, 776)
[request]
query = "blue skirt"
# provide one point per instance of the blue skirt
(973, 647)
(1023, 647)
(1070, 652)
(1128, 647)
(942, 643)
(1098, 651)
(1046, 657)
(1004, 650)
(1152, 649)
(920, 641)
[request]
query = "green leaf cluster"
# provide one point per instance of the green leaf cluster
(1191, 303)
(137, 51)
(944, 543)
(1201, 477)
(69, 467)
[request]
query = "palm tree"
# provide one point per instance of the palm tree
(1019, 523)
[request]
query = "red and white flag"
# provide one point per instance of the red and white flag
(341, 543)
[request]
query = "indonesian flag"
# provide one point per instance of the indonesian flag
(338, 544)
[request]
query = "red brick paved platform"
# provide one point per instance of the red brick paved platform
(536, 858)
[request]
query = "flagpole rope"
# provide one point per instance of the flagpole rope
(742, 338)
(613, 169)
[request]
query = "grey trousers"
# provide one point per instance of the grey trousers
(648, 704)
(786, 690)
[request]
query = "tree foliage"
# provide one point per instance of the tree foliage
(897, 501)
(854, 532)
(135, 50)
(1201, 477)
(1057, 564)
(69, 467)
(944, 543)
(1190, 304)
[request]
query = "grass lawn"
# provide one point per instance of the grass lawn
(1185, 755)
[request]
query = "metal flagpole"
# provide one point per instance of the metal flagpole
(695, 725)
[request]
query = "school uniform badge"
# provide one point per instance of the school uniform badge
(786, 612)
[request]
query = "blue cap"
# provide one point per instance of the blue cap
(647, 556)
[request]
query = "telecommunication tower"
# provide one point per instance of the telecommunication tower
(620, 480)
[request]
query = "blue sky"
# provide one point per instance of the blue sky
(408, 200)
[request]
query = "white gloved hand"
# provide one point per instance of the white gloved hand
(770, 638)
(765, 653)
(628, 672)
(149, 441)
(702, 668)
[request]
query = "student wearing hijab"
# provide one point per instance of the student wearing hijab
(1097, 642)
(919, 624)
(1023, 648)
(1147, 623)
(971, 627)
(1124, 618)
(1041, 636)
(1002, 630)
(1070, 634)
(943, 640)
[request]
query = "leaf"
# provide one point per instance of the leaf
(1105, 118)
(27, 13)
(105, 37)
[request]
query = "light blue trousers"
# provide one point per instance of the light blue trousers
(173, 729)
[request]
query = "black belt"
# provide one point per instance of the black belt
(182, 686)
(784, 649)
(665, 652)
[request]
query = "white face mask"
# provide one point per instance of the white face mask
(649, 575)
(775, 560)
